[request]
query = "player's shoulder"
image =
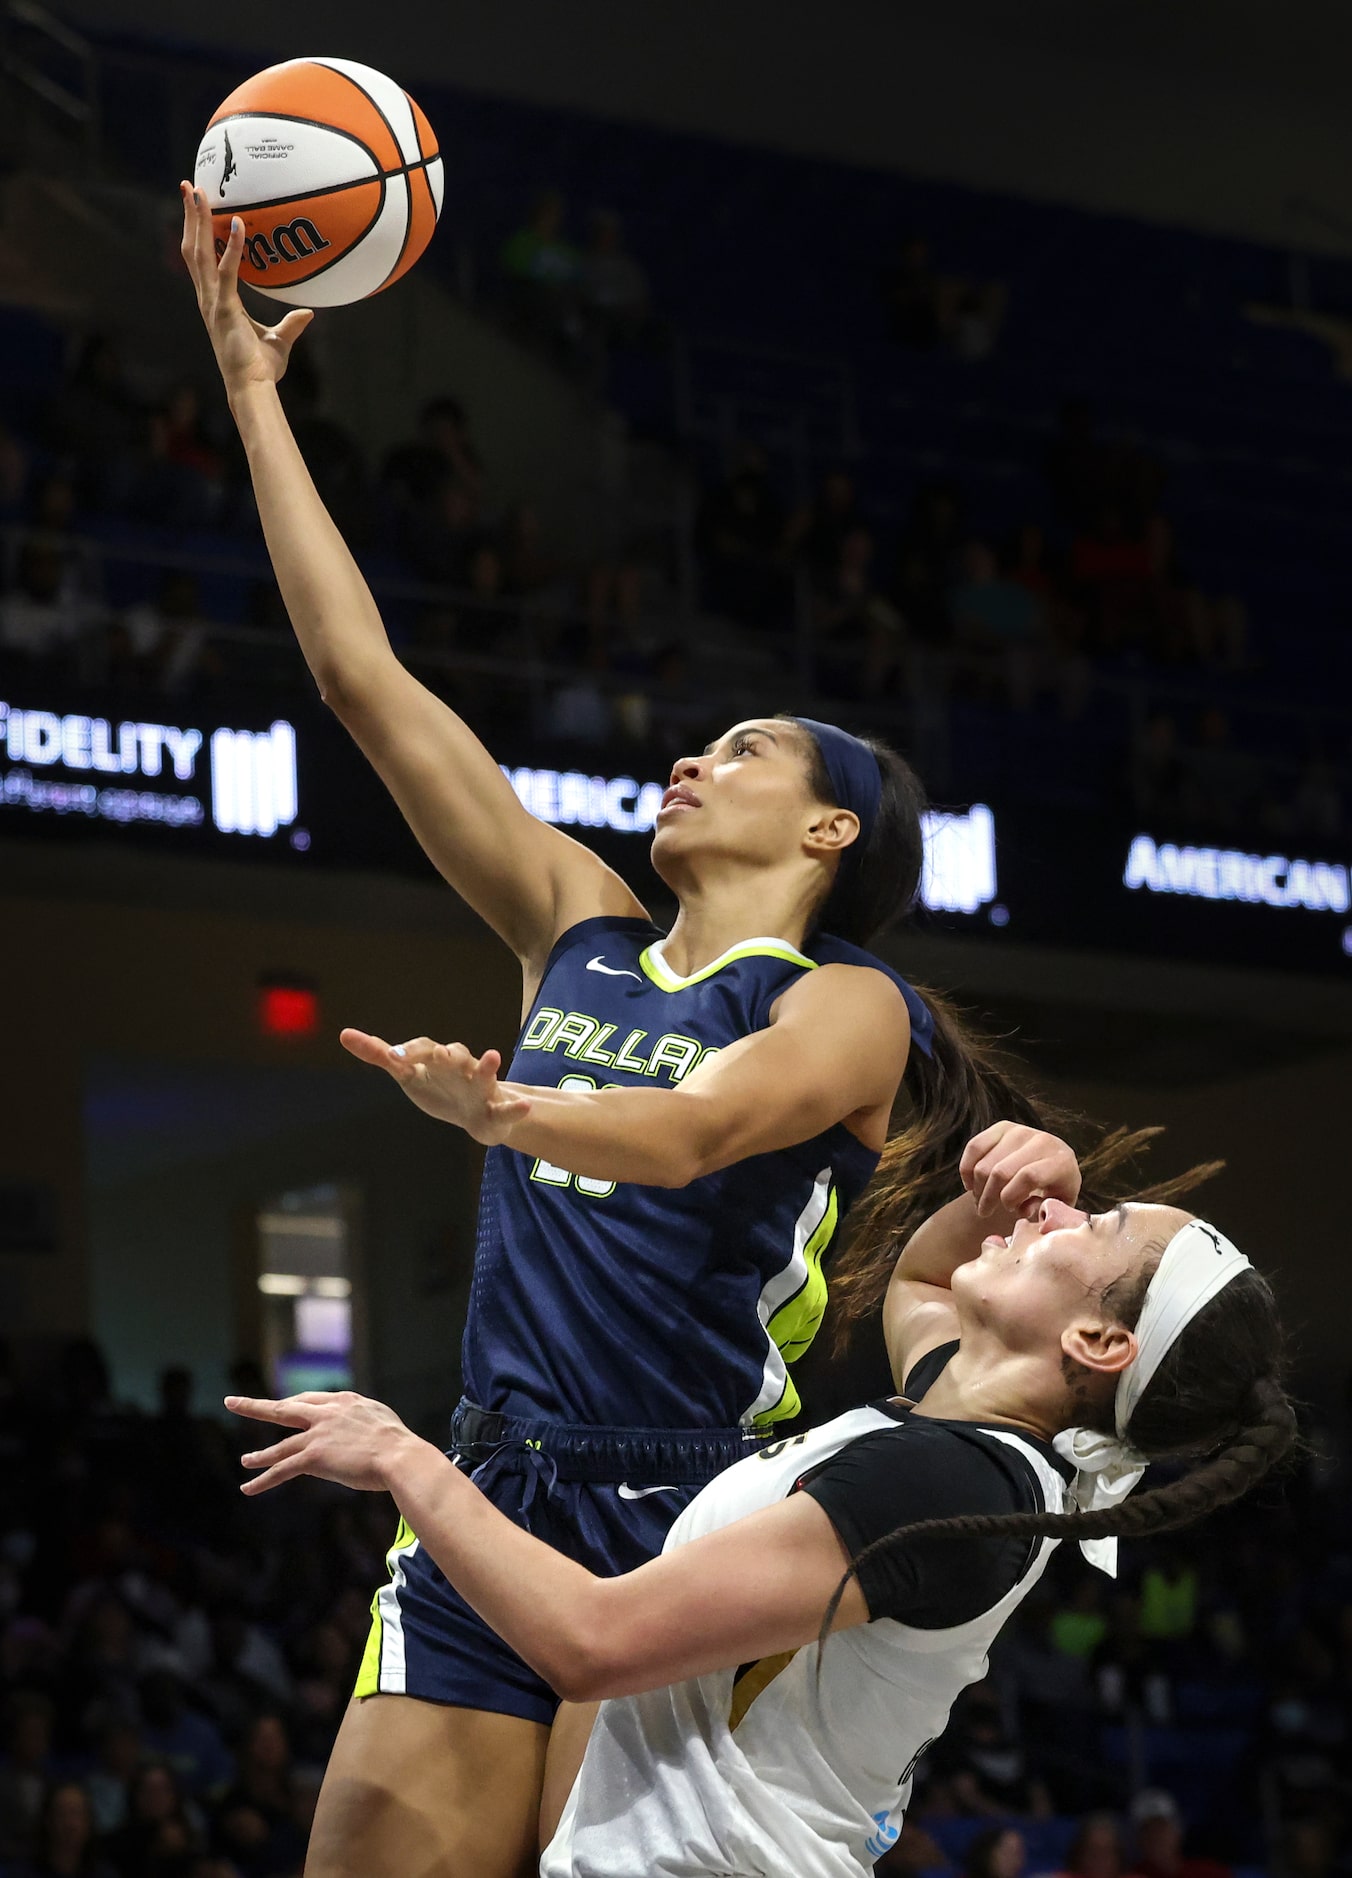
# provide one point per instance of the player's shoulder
(827, 950)
(624, 936)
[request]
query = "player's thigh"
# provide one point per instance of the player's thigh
(424, 1790)
(567, 1744)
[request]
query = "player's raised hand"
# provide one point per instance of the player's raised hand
(246, 351)
(341, 1436)
(1009, 1168)
(447, 1081)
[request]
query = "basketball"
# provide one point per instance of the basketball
(335, 173)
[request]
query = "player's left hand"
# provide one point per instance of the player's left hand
(447, 1081)
(1010, 1169)
(342, 1437)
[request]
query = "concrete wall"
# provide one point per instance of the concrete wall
(145, 971)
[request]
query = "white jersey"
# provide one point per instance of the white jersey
(767, 1770)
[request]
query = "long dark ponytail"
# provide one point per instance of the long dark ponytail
(1217, 1398)
(961, 1088)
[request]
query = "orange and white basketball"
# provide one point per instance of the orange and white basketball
(335, 173)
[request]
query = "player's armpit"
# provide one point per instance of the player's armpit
(756, 1588)
(835, 1051)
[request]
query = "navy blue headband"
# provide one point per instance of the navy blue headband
(855, 776)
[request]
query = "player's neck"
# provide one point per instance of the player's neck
(993, 1386)
(711, 920)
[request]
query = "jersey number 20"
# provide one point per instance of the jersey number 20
(552, 1176)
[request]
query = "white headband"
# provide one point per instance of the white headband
(1197, 1263)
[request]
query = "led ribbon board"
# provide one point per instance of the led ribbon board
(126, 770)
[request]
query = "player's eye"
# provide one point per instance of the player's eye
(743, 746)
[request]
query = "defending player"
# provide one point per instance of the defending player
(690, 1119)
(1047, 1362)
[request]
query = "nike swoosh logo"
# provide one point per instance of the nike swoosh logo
(595, 965)
(626, 1492)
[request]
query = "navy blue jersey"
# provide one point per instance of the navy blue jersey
(631, 1306)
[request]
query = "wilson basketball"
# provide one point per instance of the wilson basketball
(335, 174)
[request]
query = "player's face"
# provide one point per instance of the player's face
(747, 798)
(1054, 1268)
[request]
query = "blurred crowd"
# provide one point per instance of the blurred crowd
(175, 1660)
(1087, 616)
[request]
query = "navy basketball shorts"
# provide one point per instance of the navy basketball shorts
(606, 1497)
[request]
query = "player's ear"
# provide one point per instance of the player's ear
(831, 831)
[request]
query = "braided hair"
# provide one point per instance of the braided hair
(1217, 1398)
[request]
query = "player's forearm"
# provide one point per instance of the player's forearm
(646, 1137)
(947, 1239)
(548, 1608)
(335, 619)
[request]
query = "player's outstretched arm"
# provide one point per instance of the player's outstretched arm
(835, 1052)
(757, 1587)
(1005, 1170)
(527, 880)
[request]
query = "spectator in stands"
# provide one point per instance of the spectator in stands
(118, 1754)
(579, 712)
(613, 286)
(978, 314)
(1001, 626)
(483, 613)
(983, 1768)
(528, 569)
(1000, 1852)
(98, 421)
(858, 636)
(739, 534)
(1221, 781)
(255, 1819)
(1079, 1625)
(25, 1768)
(1127, 1668)
(183, 479)
(926, 309)
(922, 601)
(1157, 1825)
(917, 303)
(160, 1835)
(1168, 1597)
(439, 538)
(1158, 769)
(443, 451)
(181, 1737)
(543, 273)
(41, 619)
(1097, 1851)
(935, 531)
(816, 533)
(164, 642)
(1086, 475)
(1307, 1849)
(326, 1668)
(1316, 809)
(332, 454)
(65, 1837)
(1112, 572)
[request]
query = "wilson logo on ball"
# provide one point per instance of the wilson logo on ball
(291, 241)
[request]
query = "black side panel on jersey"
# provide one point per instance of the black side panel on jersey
(928, 1470)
